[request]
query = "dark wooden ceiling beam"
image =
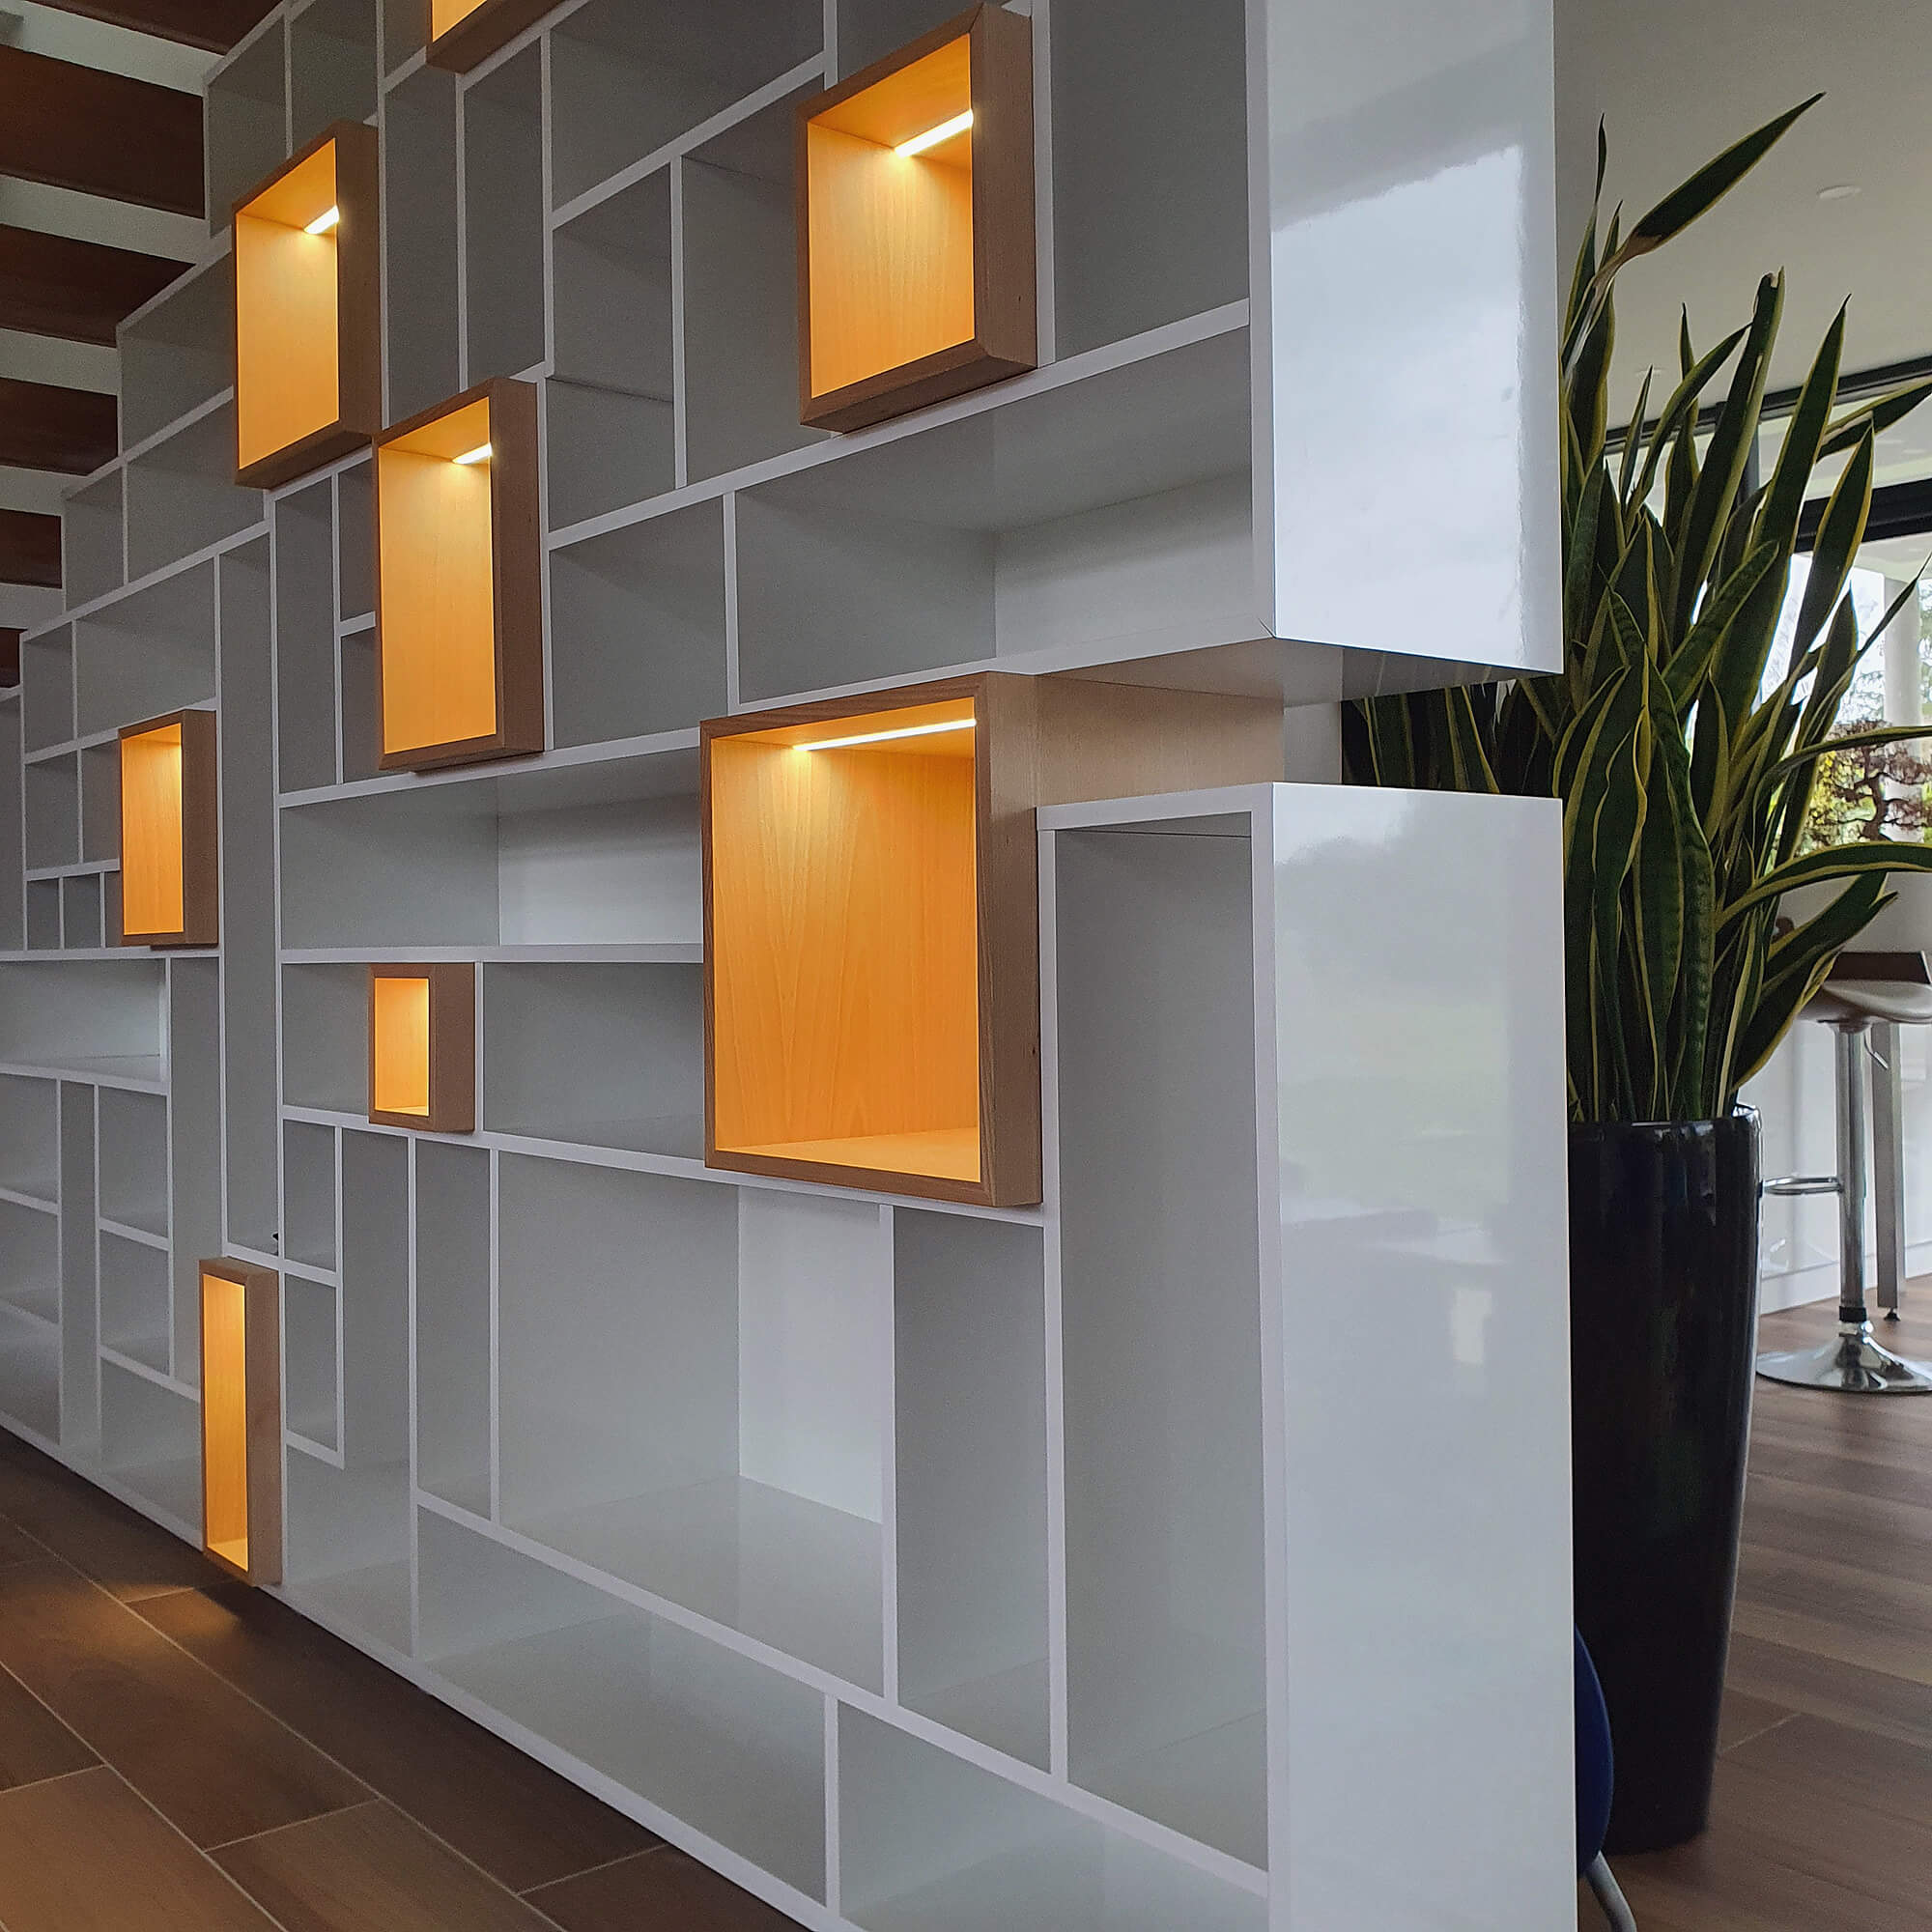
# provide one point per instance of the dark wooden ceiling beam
(75, 127)
(43, 427)
(30, 549)
(10, 658)
(214, 25)
(53, 285)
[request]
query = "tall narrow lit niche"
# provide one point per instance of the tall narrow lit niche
(871, 947)
(465, 32)
(307, 322)
(459, 616)
(915, 224)
(170, 892)
(422, 1047)
(242, 1419)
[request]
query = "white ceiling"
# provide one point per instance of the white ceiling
(1679, 80)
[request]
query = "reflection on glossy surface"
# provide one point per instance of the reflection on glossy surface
(1406, 328)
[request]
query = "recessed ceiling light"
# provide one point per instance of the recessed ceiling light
(1841, 192)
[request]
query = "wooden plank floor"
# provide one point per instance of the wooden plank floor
(181, 1754)
(1821, 1820)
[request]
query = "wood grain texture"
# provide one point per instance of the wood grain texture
(459, 608)
(307, 311)
(53, 285)
(466, 32)
(202, 1754)
(422, 1047)
(170, 892)
(242, 1419)
(656, 1891)
(845, 979)
(519, 1822)
(370, 1869)
(84, 1854)
(43, 426)
(214, 25)
(917, 276)
(30, 549)
(81, 128)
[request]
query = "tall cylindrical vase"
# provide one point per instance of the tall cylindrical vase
(1664, 1248)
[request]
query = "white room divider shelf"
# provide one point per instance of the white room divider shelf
(919, 1565)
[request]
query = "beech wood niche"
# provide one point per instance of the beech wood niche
(916, 271)
(464, 33)
(422, 1047)
(459, 613)
(872, 945)
(170, 893)
(242, 1419)
(308, 385)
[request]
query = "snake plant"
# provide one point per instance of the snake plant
(1684, 768)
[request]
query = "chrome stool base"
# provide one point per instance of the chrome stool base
(1852, 1365)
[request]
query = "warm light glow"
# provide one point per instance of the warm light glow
(880, 737)
(323, 222)
(932, 137)
(480, 454)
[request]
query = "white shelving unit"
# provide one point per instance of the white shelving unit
(920, 1567)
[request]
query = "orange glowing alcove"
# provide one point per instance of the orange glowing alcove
(307, 325)
(169, 855)
(242, 1419)
(465, 32)
(915, 224)
(458, 625)
(422, 1047)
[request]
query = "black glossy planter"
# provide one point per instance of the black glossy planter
(1663, 1244)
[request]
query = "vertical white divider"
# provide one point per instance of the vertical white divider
(831, 42)
(889, 1467)
(1056, 1407)
(382, 205)
(832, 1877)
(544, 144)
(495, 1334)
(543, 535)
(415, 1514)
(1042, 176)
(335, 621)
(679, 406)
(288, 84)
(732, 696)
(461, 232)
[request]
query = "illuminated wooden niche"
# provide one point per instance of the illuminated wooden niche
(871, 945)
(916, 254)
(459, 615)
(242, 1419)
(169, 857)
(308, 384)
(465, 32)
(422, 1047)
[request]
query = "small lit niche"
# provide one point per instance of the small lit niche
(915, 225)
(242, 1419)
(422, 1047)
(170, 893)
(307, 320)
(464, 33)
(459, 615)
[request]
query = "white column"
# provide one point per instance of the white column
(1903, 703)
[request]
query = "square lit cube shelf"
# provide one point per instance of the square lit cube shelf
(242, 1419)
(465, 33)
(871, 945)
(458, 611)
(422, 1047)
(915, 225)
(308, 382)
(170, 892)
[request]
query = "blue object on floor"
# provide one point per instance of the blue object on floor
(1595, 1780)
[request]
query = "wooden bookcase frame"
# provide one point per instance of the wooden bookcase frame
(245, 1332)
(440, 1025)
(476, 34)
(180, 808)
(289, 288)
(1034, 740)
(506, 412)
(907, 235)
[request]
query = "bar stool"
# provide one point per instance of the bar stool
(1878, 994)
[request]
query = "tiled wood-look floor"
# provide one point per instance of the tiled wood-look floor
(181, 1754)
(1821, 1820)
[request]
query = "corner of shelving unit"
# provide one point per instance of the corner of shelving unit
(242, 1419)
